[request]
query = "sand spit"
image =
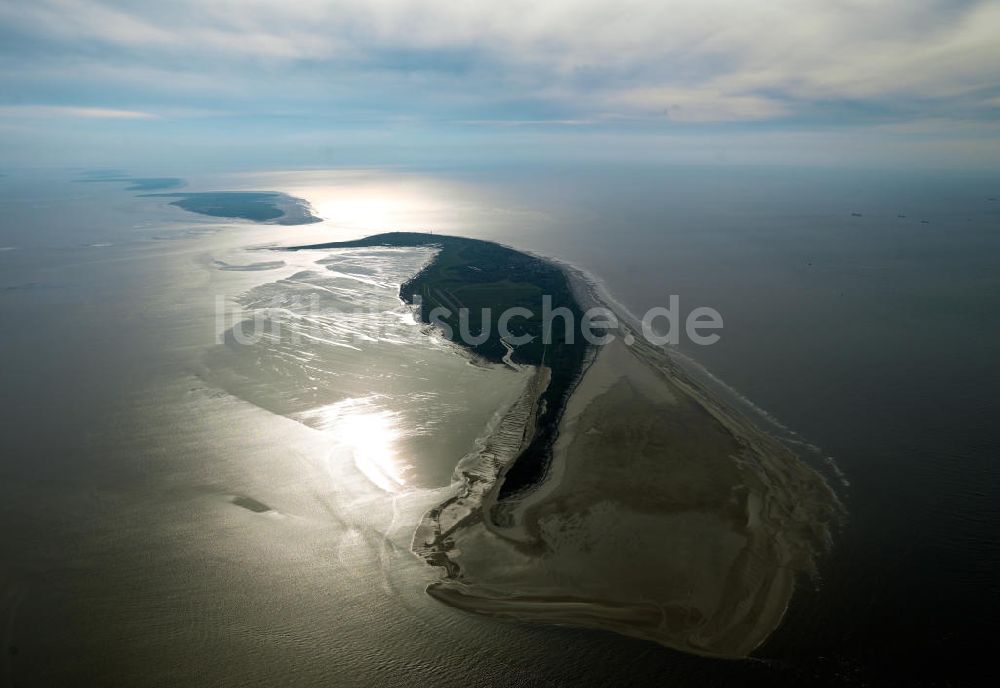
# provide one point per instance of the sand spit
(664, 515)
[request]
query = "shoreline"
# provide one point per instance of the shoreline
(472, 274)
(261, 207)
(734, 613)
(652, 507)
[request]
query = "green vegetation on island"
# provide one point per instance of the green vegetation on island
(257, 206)
(476, 275)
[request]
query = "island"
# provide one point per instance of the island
(135, 183)
(477, 275)
(621, 491)
(257, 206)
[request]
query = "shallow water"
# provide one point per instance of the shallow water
(132, 427)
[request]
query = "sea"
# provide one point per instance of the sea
(214, 452)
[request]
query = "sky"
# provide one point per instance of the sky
(896, 83)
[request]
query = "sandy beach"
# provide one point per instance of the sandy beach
(664, 515)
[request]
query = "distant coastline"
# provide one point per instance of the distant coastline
(270, 207)
(136, 183)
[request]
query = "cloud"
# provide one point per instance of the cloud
(31, 111)
(701, 104)
(530, 122)
(728, 56)
(628, 65)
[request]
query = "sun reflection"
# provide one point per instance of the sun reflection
(377, 207)
(379, 202)
(369, 201)
(370, 434)
(365, 213)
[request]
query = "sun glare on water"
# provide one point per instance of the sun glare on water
(365, 213)
(362, 431)
(368, 202)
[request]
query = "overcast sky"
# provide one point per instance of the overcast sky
(898, 82)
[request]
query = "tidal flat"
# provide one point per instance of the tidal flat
(126, 561)
(663, 516)
(617, 492)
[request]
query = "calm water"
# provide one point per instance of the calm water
(130, 425)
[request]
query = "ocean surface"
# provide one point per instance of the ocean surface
(184, 504)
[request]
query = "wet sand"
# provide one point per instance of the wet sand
(664, 515)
